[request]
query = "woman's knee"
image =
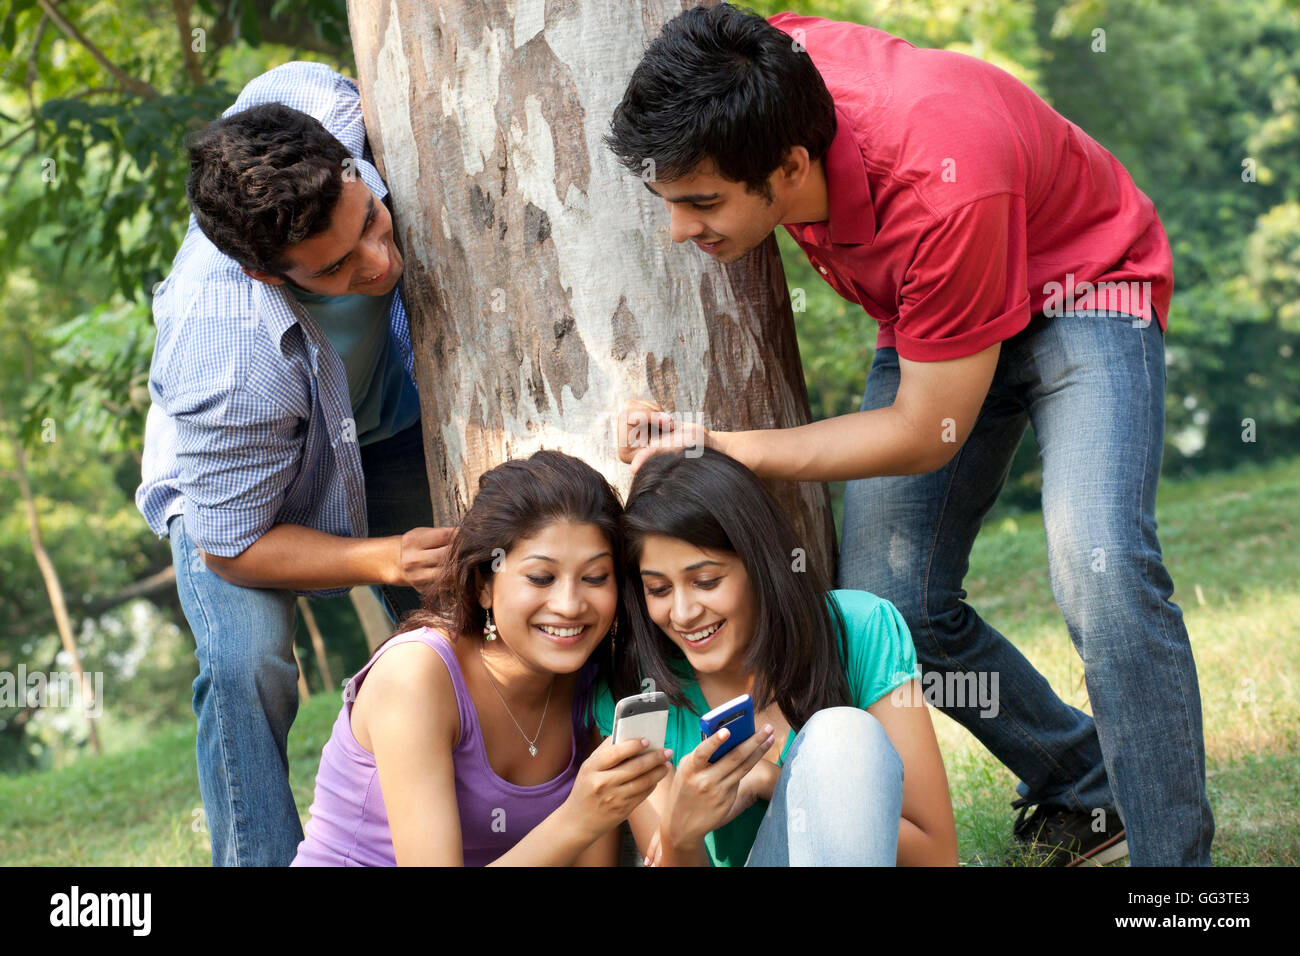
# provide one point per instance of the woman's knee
(847, 740)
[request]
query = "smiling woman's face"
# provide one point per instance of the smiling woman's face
(549, 585)
(701, 599)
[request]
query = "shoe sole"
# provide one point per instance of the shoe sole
(1108, 852)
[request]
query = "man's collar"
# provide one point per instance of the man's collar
(279, 310)
(851, 217)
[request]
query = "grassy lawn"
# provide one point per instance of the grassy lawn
(1232, 544)
(1232, 548)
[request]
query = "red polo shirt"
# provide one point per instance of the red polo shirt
(961, 203)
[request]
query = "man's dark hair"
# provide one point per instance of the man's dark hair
(262, 180)
(722, 83)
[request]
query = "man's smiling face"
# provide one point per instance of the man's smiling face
(719, 215)
(356, 255)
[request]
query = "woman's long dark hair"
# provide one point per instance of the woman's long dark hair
(515, 500)
(797, 651)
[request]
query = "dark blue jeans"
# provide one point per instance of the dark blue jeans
(1093, 385)
(246, 694)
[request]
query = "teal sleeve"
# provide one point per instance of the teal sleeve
(604, 708)
(881, 656)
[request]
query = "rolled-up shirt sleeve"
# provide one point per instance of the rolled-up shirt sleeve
(237, 453)
(966, 287)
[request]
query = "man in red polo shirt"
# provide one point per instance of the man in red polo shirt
(1018, 276)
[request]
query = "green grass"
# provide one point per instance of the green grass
(139, 808)
(1236, 536)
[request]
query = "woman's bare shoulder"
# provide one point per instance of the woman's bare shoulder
(408, 684)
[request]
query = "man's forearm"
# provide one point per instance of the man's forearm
(858, 445)
(295, 557)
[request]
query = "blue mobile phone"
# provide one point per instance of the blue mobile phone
(737, 715)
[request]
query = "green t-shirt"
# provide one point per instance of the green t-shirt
(880, 658)
(384, 399)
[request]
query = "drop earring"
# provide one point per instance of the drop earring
(490, 632)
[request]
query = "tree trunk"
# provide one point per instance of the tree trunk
(542, 286)
(374, 621)
(55, 590)
(317, 644)
(304, 692)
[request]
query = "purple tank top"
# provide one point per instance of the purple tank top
(349, 824)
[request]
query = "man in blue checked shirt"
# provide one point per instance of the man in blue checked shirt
(283, 450)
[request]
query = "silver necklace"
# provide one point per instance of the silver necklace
(532, 744)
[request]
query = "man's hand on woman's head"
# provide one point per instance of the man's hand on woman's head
(421, 554)
(645, 429)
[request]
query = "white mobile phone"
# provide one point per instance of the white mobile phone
(642, 715)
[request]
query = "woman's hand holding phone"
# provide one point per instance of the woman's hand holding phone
(612, 782)
(704, 795)
(758, 784)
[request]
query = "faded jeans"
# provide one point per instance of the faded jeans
(839, 798)
(246, 694)
(1093, 386)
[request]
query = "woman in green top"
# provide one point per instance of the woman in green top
(843, 767)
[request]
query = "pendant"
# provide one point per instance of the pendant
(532, 751)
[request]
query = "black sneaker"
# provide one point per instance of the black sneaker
(1054, 836)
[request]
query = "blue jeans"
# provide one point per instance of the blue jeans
(839, 798)
(246, 694)
(1093, 385)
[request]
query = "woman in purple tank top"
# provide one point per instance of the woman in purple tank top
(468, 738)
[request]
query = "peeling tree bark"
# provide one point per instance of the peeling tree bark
(542, 286)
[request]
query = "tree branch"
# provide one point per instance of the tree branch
(138, 87)
(22, 160)
(93, 91)
(193, 68)
(161, 580)
(32, 73)
(17, 136)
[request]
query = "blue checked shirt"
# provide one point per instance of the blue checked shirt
(251, 422)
